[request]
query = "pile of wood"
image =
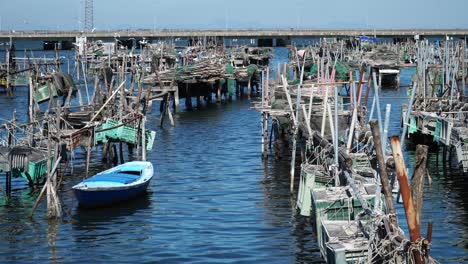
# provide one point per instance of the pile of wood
(381, 56)
(207, 70)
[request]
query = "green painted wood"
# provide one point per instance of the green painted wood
(42, 93)
(334, 203)
(312, 177)
(125, 133)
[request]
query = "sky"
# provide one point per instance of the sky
(246, 14)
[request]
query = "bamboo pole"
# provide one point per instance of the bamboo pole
(337, 178)
(296, 125)
(353, 120)
(324, 115)
(463, 69)
(377, 100)
(408, 113)
(311, 100)
(388, 109)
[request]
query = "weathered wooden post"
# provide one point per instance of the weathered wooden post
(218, 92)
(383, 170)
(417, 181)
(266, 86)
(168, 110)
(463, 68)
(143, 138)
(176, 98)
(53, 205)
(411, 216)
(88, 153)
(366, 97)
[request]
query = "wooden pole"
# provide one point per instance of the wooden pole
(44, 187)
(353, 117)
(267, 83)
(359, 91)
(107, 102)
(417, 181)
(296, 124)
(377, 101)
(143, 138)
(383, 170)
(88, 154)
(164, 110)
(463, 69)
(408, 113)
(218, 93)
(85, 79)
(366, 98)
(168, 110)
(176, 99)
(411, 216)
(388, 109)
(48, 180)
(8, 77)
(121, 154)
(336, 143)
(31, 99)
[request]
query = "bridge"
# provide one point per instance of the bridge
(233, 33)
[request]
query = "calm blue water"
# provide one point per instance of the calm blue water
(213, 200)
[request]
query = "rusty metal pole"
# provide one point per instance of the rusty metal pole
(383, 170)
(413, 225)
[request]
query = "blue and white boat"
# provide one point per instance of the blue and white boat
(114, 185)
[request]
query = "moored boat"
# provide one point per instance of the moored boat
(114, 185)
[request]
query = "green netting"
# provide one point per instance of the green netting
(231, 87)
(413, 128)
(229, 68)
(342, 71)
(437, 131)
(279, 104)
(252, 69)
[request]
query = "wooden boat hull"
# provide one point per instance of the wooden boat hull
(105, 197)
(115, 185)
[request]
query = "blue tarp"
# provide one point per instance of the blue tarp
(114, 177)
(368, 39)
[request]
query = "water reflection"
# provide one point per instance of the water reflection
(86, 218)
(52, 233)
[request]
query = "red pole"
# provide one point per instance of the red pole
(413, 225)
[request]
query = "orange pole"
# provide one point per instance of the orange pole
(410, 212)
